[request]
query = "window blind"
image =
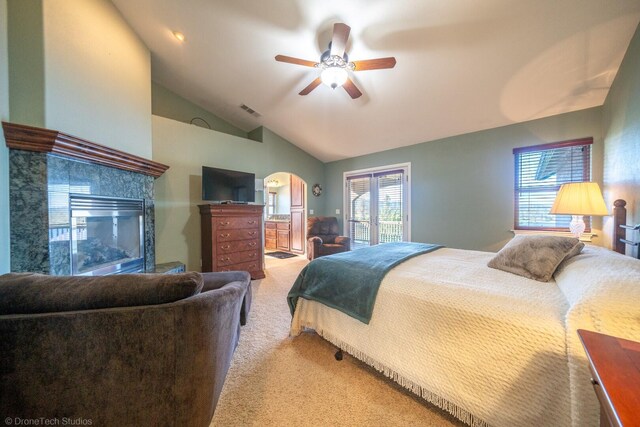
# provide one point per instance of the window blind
(390, 205)
(359, 215)
(539, 172)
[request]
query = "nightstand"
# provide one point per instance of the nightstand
(615, 370)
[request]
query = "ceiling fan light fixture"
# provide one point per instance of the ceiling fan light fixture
(335, 66)
(334, 76)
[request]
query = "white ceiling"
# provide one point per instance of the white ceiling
(463, 65)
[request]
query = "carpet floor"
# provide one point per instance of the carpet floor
(275, 380)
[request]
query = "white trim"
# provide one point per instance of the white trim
(407, 169)
(378, 169)
(585, 237)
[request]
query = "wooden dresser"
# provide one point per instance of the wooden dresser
(615, 370)
(231, 237)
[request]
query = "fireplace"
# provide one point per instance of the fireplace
(107, 235)
(77, 207)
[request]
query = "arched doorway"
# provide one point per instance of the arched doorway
(285, 200)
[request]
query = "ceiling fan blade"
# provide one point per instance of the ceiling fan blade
(374, 64)
(297, 61)
(339, 39)
(351, 89)
(314, 84)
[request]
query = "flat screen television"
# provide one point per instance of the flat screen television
(222, 185)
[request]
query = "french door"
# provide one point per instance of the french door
(376, 205)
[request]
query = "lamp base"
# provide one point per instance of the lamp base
(577, 226)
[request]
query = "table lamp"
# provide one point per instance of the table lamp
(579, 199)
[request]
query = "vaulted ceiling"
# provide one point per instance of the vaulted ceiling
(462, 65)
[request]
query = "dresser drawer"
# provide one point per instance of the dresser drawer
(270, 233)
(231, 210)
(245, 266)
(238, 245)
(231, 223)
(237, 258)
(231, 235)
(270, 224)
(282, 226)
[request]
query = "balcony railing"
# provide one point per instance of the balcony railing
(388, 231)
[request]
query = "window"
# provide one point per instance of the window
(376, 205)
(539, 172)
(271, 203)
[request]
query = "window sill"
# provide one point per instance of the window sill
(586, 237)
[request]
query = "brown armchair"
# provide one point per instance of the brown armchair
(323, 238)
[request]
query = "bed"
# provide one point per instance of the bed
(490, 347)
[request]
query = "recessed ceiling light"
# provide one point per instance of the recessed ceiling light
(178, 35)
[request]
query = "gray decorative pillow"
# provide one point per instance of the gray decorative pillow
(535, 257)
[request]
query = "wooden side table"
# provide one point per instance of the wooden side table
(615, 370)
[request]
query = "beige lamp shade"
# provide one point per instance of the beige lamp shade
(579, 198)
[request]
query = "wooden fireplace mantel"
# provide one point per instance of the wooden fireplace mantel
(29, 138)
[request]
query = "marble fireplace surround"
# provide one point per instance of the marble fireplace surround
(45, 167)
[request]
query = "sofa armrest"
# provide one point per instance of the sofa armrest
(216, 280)
(344, 241)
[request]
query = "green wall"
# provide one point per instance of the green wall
(186, 148)
(77, 67)
(26, 68)
(169, 104)
(621, 129)
(4, 152)
(462, 186)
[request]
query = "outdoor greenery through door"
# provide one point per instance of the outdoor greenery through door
(376, 205)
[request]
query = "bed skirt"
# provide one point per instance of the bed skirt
(456, 411)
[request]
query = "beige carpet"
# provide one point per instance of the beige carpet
(275, 380)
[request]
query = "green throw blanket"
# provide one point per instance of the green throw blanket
(349, 281)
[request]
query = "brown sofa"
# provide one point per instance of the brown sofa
(323, 237)
(128, 350)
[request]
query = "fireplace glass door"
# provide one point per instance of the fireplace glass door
(107, 235)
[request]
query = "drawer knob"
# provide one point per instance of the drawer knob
(252, 244)
(226, 247)
(225, 259)
(224, 222)
(225, 235)
(252, 233)
(251, 222)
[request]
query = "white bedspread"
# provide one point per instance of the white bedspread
(488, 346)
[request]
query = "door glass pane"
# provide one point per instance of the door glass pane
(390, 207)
(359, 214)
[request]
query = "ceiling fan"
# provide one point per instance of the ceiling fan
(335, 64)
